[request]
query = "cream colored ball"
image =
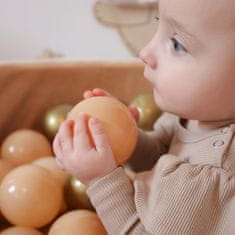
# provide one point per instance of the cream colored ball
(24, 146)
(78, 222)
(30, 196)
(20, 231)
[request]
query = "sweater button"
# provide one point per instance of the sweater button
(218, 143)
(225, 130)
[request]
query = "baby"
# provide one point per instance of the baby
(190, 186)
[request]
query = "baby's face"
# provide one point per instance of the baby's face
(191, 59)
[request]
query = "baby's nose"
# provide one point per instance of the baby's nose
(147, 56)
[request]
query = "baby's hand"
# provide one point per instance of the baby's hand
(100, 92)
(75, 153)
(96, 92)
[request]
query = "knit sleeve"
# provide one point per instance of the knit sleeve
(176, 197)
(152, 144)
(113, 198)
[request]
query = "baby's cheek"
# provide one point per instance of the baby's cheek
(170, 88)
(175, 95)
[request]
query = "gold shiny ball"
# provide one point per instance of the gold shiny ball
(75, 194)
(148, 110)
(54, 117)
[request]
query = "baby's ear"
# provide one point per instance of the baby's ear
(121, 15)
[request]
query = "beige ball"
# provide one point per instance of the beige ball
(78, 222)
(30, 196)
(50, 164)
(20, 231)
(60, 175)
(24, 146)
(5, 167)
(117, 121)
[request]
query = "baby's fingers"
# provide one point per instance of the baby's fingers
(66, 137)
(87, 94)
(56, 146)
(99, 136)
(95, 92)
(58, 151)
(81, 140)
(101, 92)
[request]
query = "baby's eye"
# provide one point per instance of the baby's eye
(177, 46)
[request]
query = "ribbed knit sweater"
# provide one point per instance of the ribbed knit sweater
(189, 188)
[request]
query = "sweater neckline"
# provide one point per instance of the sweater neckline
(189, 136)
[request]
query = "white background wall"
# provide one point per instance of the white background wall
(27, 27)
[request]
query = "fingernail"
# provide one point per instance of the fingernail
(94, 120)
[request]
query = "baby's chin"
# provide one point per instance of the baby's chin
(181, 111)
(190, 111)
(170, 107)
